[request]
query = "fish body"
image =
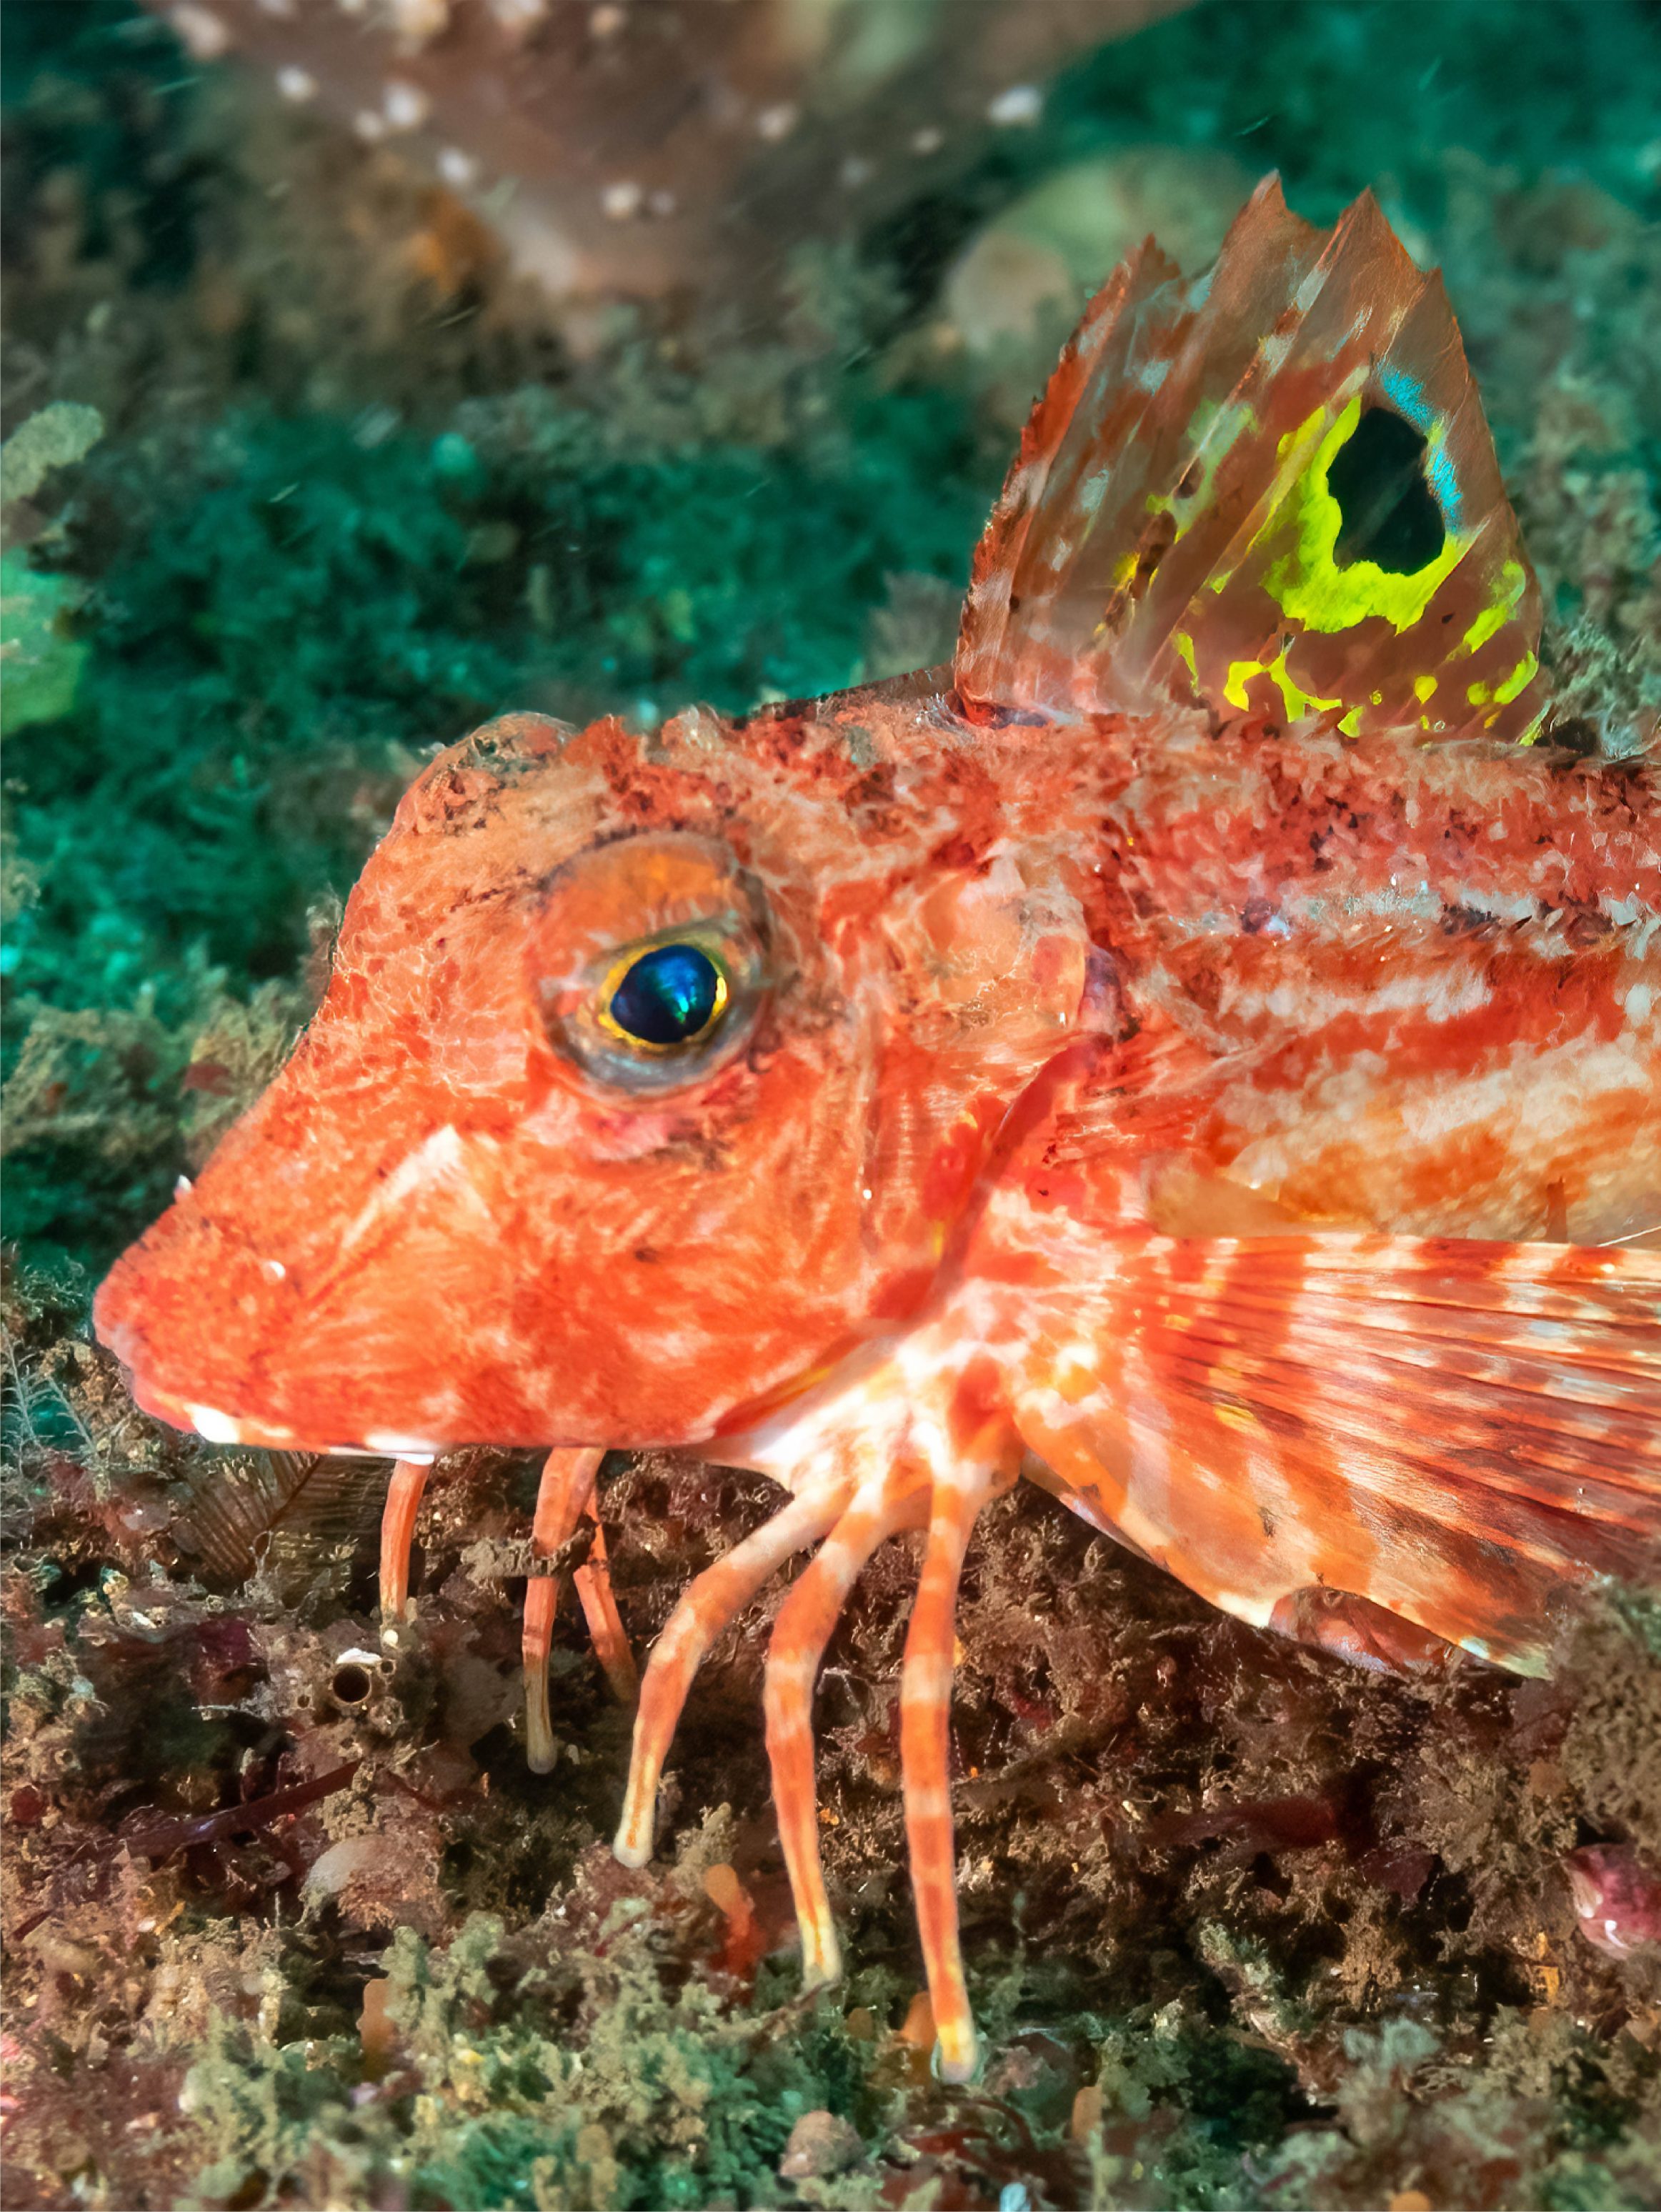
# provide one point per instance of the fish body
(1198, 1051)
(1287, 982)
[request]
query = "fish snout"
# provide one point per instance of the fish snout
(193, 1315)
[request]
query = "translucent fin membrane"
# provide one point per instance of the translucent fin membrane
(1270, 491)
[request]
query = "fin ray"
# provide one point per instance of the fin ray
(1456, 1431)
(1169, 534)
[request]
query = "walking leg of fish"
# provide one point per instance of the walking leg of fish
(593, 1581)
(709, 1605)
(930, 1417)
(562, 1498)
(398, 1519)
(879, 1510)
(925, 1755)
(564, 1494)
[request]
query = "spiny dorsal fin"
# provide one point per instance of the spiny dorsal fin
(1270, 489)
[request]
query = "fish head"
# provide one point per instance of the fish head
(650, 1080)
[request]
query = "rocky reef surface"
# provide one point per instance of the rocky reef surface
(305, 473)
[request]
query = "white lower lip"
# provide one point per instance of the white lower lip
(218, 1428)
(418, 1449)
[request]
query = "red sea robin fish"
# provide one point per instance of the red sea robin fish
(1201, 1051)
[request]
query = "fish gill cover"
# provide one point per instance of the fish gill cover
(307, 471)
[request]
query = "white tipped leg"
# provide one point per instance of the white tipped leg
(925, 1756)
(800, 1635)
(563, 1497)
(709, 1603)
(398, 1521)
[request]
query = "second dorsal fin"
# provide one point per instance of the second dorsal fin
(1270, 490)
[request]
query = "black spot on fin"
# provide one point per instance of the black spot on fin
(1297, 440)
(1378, 478)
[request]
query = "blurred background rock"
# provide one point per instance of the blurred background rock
(664, 146)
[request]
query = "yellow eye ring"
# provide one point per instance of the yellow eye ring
(661, 999)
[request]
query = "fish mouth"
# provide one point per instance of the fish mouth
(216, 1426)
(191, 1403)
(218, 1343)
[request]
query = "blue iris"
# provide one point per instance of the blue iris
(669, 996)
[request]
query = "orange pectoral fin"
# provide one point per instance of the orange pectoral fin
(1454, 1431)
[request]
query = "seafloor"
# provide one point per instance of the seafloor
(286, 1926)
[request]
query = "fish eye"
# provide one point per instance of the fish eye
(649, 959)
(665, 998)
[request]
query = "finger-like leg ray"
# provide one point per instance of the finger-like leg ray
(599, 1609)
(925, 1755)
(563, 1497)
(707, 1605)
(398, 1521)
(879, 1510)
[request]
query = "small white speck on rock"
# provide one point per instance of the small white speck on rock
(520, 18)
(405, 105)
(203, 35)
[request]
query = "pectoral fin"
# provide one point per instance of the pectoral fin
(1458, 1432)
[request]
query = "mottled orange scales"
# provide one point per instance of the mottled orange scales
(1202, 1051)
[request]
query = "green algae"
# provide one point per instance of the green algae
(591, 2082)
(285, 617)
(40, 659)
(55, 438)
